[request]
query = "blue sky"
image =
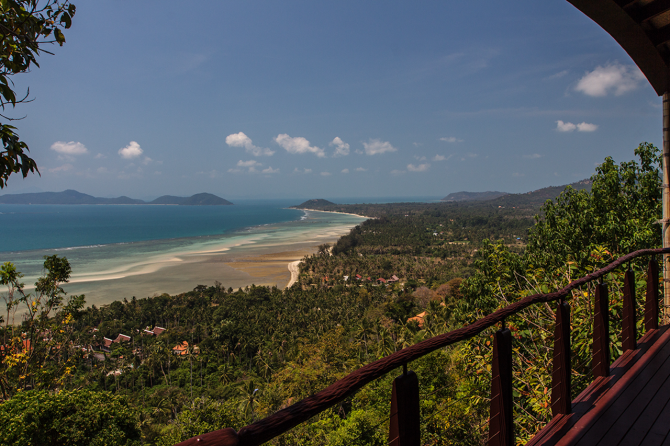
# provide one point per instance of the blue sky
(330, 99)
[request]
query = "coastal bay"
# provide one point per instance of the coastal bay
(236, 257)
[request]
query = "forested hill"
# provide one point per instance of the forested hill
(203, 199)
(538, 197)
(314, 204)
(467, 196)
(515, 206)
(73, 197)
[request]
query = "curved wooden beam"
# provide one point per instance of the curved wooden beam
(631, 36)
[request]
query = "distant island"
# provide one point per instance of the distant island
(73, 197)
(314, 204)
(473, 196)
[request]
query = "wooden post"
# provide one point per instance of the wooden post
(628, 331)
(501, 424)
(651, 303)
(666, 206)
(404, 429)
(600, 362)
(561, 400)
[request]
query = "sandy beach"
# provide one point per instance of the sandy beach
(267, 256)
(294, 269)
(335, 212)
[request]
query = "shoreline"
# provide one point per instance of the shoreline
(334, 212)
(265, 256)
(294, 269)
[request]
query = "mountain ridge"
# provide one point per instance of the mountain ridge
(473, 196)
(70, 196)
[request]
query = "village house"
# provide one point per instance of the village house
(182, 349)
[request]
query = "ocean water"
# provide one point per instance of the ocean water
(107, 244)
(30, 227)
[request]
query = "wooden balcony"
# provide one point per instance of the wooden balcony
(625, 404)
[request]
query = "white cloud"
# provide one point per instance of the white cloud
(451, 139)
(69, 148)
(308, 170)
(397, 172)
(377, 146)
(613, 78)
(132, 150)
(326, 174)
(518, 175)
(345, 170)
(298, 145)
(102, 170)
(100, 156)
(361, 169)
(234, 170)
(419, 158)
(441, 157)
(533, 156)
(242, 140)
(341, 147)
(270, 170)
(420, 168)
(63, 168)
(147, 160)
(296, 170)
(249, 163)
(586, 127)
(565, 126)
(570, 127)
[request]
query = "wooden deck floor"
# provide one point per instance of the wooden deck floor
(629, 407)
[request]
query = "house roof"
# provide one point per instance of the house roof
(180, 349)
(122, 338)
(418, 319)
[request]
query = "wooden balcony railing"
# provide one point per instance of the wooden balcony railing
(404, 429)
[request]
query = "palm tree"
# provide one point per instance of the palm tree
(248, 403)
(363, 330)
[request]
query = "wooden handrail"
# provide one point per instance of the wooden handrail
(285, 419)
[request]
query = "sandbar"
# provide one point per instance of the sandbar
(258, 259)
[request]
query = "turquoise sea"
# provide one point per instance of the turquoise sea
(121, 250)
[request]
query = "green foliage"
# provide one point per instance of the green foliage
(26, 26)
(581, 231)
(72, 418)
(201, 416)
(619, 214)
(40, 353)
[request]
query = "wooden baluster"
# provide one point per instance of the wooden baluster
(561, 400)
(651, 304)
(628, 331)
(600, 362)
(501, 424)
(404, 429)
